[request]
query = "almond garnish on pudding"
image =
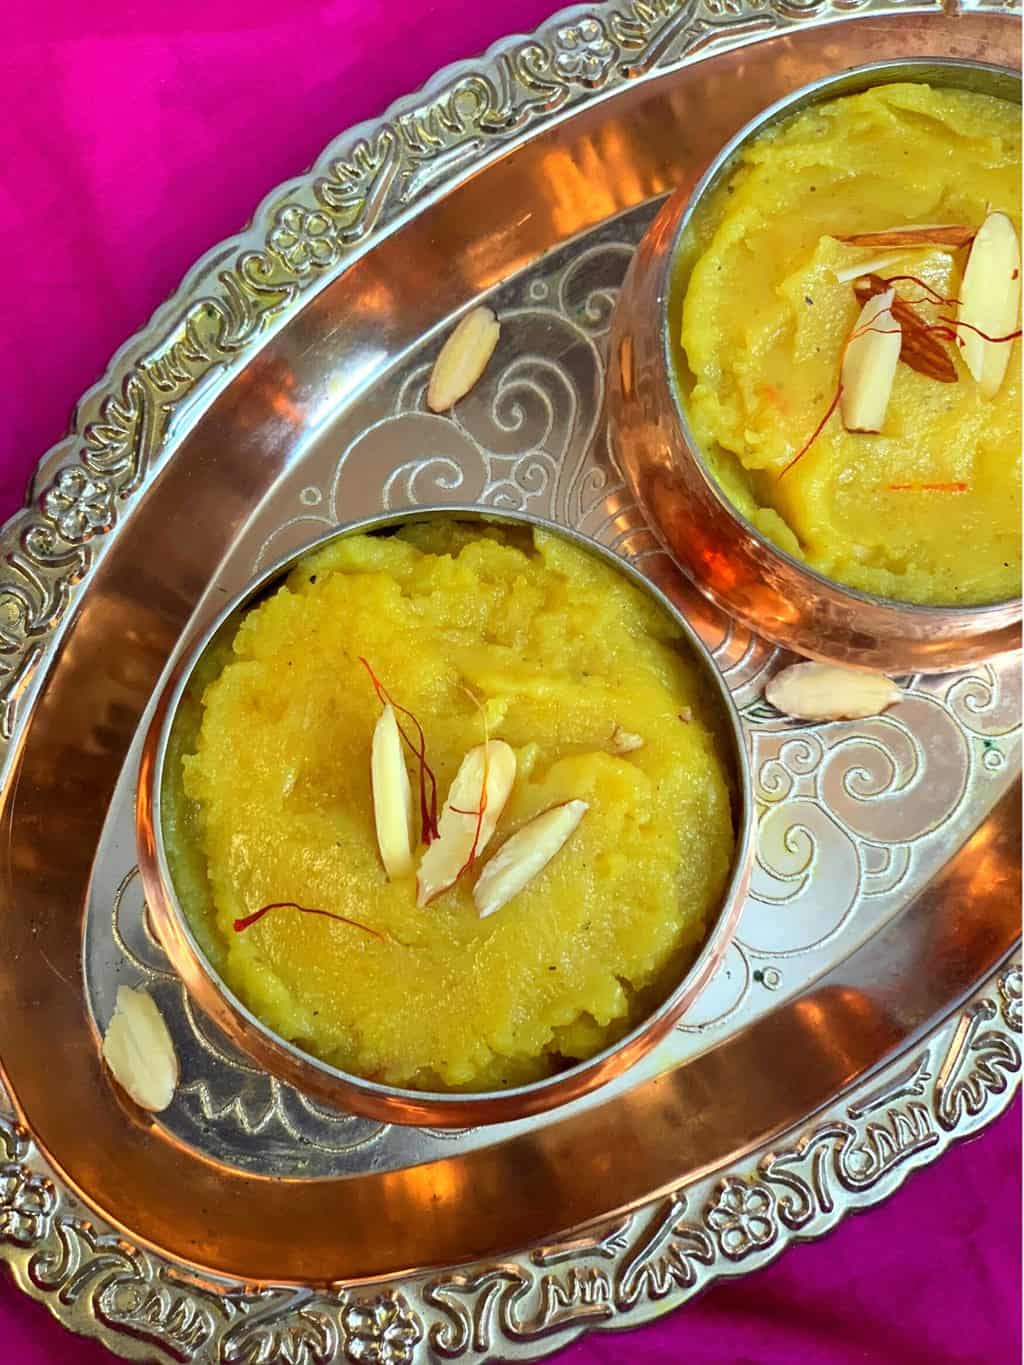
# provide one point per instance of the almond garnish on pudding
(869, 364)
(847, 274)
(524, 855)
(625, 741)
(990, 303)
(868, 368)
(475, 801)
(914, 234)
(920, 350)
(392, 796)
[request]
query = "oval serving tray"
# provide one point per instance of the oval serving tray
(282, 391)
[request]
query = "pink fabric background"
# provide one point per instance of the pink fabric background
(134, 136)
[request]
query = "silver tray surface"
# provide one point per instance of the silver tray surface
(282, 391)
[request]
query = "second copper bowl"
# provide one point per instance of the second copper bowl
(774, 593)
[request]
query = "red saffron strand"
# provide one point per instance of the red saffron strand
(858, 332)
(814, 434)
(936, 297)
(479, 813)
(482, 804)
(956, 322)
(245, 921)
(428, 809)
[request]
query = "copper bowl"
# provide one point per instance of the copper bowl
(726, 556)
(350, 1092)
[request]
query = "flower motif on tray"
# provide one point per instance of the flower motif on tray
(78, 504)
(27, 1202)
(585, 52)
(1011, 988)
(302, 239)
(380, 1331)
(743, 1217)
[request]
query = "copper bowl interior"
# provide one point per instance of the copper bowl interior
(867, 621)
(348, 1091)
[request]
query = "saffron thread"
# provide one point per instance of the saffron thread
(943, 323)
(245, 921)
(920, 350)
(428, 807)
(482, 803)
(935, 296)
(814, 434)
(857, 332)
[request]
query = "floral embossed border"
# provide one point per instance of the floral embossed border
(616, 1275)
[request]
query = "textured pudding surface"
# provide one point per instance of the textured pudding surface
(268, 798)
(928, 510)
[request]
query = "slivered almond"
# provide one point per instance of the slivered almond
(826, 692)
(920, 350)
(869, 365)
(392, 797)
(625, 742)
(462, 359)
(854, 272)
(449, 855)
(524, 855)
(990, 301)
(138, 1050)
(914, 234)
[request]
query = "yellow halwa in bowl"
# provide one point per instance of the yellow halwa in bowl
(899, 547)
(259, 794)
(927, 510)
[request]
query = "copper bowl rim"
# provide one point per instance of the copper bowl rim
(346, 1089)
(853, 81)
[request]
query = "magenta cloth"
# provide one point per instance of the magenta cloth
(135, 136)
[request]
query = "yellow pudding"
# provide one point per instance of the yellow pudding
(927, 509)
(268, 799)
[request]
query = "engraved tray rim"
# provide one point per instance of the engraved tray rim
(132, 1299)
